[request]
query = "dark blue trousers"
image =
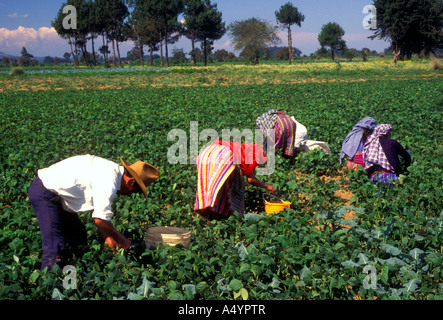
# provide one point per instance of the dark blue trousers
(61, 231)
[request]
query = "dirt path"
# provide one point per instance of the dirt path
(44, 82)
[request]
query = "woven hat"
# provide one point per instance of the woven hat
(143, 173)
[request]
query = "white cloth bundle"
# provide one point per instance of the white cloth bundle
(302, 142)
(301, 133)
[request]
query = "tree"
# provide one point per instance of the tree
(192, 11)
(153, 38)
(282, 53)
(364, 53)
(133, 54)
(178, 56)
(103, 17)
(57, 24)
(411, 26)
(67, 56)
(221, 55)
(26, 59)
(350, 54)
(76, 37)
(202, 22)
(95, 25)
(6, 61)
(25, 54)
(210, 27)
(198, 54)
(108, 12)
(331, 36)
(104, 50)
(287, 16)
(252, 36)
(48, 60)
(83, 27)
(139, 26)
(321, 53)
(167, 11)
(117, 13)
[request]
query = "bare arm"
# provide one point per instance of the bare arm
(252, 179)
(112, 237)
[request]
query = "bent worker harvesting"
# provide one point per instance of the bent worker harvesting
(221, 168)
(79, 184)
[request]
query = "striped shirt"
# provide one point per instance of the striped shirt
(284, 130)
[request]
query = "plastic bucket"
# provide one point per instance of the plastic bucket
(167, 235)
(276, 205)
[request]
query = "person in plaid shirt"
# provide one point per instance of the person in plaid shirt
(381, 155)
(284, 131)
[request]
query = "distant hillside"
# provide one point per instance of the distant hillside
(2, 54)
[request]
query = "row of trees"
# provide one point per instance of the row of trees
(25, 59)
(253, 36)
(148, 23)
(413, 26)
(156, 25)
(179, 57)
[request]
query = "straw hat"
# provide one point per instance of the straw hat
(143, 173)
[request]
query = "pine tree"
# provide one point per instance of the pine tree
(287, 16)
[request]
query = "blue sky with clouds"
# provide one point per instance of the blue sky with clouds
(28, 23)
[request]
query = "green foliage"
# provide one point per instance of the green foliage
(288, 15)
(412, 27)
(302, 253)
(331, 36)
(16, 71)
(252, 37)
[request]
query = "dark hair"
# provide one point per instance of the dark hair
(366, 133)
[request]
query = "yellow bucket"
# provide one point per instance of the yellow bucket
(275, 206)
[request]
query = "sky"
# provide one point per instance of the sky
(27, 23)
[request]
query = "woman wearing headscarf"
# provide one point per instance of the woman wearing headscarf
(353, 144)
(381, 155)
(284, 131)
(221, 168)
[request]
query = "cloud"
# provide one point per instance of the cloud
(39, 42)
(227, 45)
(16, 15)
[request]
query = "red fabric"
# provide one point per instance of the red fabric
(249, 155)
(358, 158)
(357, 161)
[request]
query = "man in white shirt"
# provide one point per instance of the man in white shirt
(79, 184)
